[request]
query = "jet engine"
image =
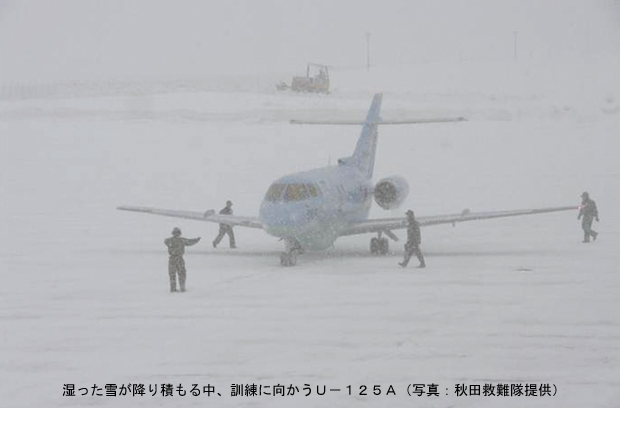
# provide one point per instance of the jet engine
(390, 192)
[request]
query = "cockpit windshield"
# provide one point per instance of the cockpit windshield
(275, 192)
(296, 192)
(313, 190)
(292, 192)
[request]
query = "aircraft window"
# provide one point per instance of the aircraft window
(275, 192)
(296, 192)
(314, 191)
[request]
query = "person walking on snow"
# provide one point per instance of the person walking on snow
(225, 228)
(414, 239)
(589, 212)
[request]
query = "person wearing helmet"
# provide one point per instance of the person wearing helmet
(225, 228)
(176, 264)
(589, 212)
(414, 239)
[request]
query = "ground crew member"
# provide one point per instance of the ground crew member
(588, 211)
(176, 248)
(225, 228)
(414, 239)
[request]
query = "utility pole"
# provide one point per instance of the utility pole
(515, 33)
(367, 51)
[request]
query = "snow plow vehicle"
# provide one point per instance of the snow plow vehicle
(318, 82)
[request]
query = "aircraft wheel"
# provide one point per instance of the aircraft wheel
(384, 246)
(374, 246)
(284, 260)
(288, 259)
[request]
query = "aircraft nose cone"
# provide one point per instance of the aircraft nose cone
(282, 220)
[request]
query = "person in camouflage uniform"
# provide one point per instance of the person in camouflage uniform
(588, 211)
(176, 264)
(225, 228)
(414, 239)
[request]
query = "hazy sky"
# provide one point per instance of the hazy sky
(63, 39)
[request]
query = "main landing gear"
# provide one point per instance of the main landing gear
(379, 245)
(289, 257)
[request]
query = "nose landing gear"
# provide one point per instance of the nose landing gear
(289, 257)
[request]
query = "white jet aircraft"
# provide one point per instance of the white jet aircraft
(311, 209)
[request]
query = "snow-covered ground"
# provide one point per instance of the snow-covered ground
(85, 296)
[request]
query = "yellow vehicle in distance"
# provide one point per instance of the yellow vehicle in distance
(316, 80)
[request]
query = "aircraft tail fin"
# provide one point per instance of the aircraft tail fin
(364, 155)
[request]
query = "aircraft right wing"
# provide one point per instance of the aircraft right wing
(387, 224)
(210, 215)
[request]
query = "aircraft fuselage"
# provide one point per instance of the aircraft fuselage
(313, 207)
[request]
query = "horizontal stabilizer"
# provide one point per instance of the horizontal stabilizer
(382, 122)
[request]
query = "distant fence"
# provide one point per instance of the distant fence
(76, 89)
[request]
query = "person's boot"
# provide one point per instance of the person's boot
(214, 244)
(182, 285)
(173, 287)
(402, 264)
(594, 235)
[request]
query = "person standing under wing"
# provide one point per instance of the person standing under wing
(176, 264)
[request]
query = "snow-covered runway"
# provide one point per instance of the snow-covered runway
(512, 301)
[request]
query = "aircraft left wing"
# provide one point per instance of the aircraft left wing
(210, 215)
(387, 224)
